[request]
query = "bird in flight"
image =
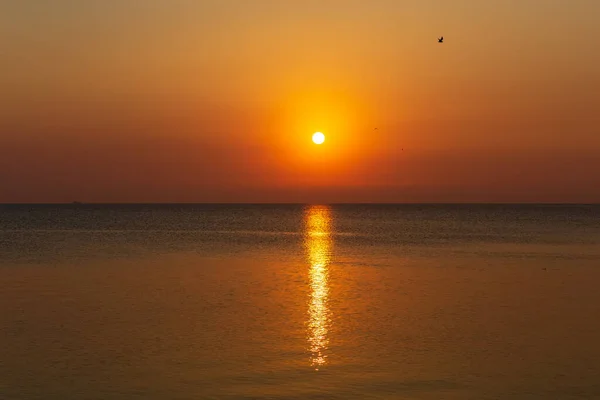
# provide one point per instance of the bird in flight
(441, 40)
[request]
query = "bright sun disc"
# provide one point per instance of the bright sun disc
(318, 138)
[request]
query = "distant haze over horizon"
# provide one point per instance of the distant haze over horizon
(216, 101)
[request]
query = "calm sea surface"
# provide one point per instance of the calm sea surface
(299, 302)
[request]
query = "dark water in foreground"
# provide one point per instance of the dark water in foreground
(299, 302)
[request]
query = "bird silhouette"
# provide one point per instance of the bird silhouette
(441, 40)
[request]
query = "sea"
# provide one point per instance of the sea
(186, 301)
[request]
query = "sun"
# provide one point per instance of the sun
(318, 138)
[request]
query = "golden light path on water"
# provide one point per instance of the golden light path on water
(318, 247)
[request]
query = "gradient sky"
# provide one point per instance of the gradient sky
(216, 101)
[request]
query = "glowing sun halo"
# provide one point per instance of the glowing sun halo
(318, 138)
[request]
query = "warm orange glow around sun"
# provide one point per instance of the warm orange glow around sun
(318, 138)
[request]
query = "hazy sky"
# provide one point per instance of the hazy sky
(216, 100)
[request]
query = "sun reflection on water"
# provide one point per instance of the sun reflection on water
(318, 247)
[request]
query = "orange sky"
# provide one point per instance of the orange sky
(216, 100)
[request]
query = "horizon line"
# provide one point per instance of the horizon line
(80, 203)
